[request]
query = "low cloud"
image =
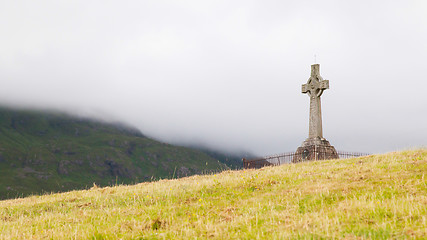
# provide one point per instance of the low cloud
(225, 75)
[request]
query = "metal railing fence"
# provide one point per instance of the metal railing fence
(287, 158)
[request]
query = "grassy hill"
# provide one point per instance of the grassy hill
(44, 152)
(376, 197)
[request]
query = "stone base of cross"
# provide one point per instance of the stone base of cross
(315, 147)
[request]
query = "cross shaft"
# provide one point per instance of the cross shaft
(314, 88)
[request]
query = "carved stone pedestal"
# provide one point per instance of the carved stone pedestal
(315, 149)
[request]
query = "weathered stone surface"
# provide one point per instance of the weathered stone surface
(256, 163)
(314, 88)
(315, 147)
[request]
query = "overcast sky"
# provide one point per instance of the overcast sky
(225, 74)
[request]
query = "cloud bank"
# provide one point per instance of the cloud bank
(224, 74)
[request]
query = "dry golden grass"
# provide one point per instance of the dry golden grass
(377, 197)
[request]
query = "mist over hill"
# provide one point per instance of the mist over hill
(44, 151)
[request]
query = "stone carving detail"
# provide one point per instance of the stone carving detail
(315, 147)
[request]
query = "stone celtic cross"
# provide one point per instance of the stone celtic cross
(314, 88)
(315, 147)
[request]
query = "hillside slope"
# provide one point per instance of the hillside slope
(376, 197)
(44, 152)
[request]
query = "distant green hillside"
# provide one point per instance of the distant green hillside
(44, 152)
